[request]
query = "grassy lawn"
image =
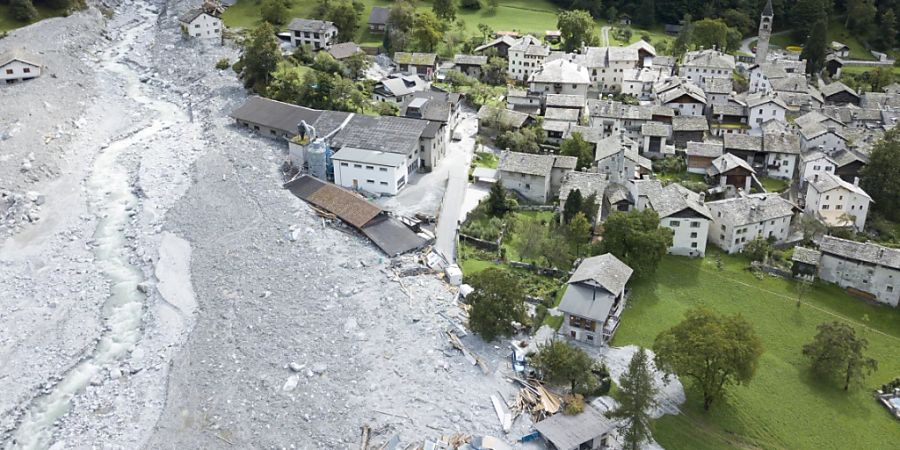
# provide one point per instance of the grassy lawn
(510, 242)
(856, 70)
(486, 159)
(774, 184)
(681, 177)
(525, 16)
(7, 23)
(783, 407)
(836, 32)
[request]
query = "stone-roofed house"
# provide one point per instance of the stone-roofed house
(564, 101)
(532, 175)
(839, 49)
(814, 163)
(492, 120)
(344, 50)
(822, 137)
(700, 65)
(805, 262)
(421, 64)
(728, 118)
(680, 210)
(526, 56)
(588, 430)
(202, 24)
(762, 108)
(560, 77)
(782, 151)
(849, 163)
(318, 34)
(738, 220)
(654, 136)
(594, 299)
(700, 155)
(866, 269)
(16, 66)
(501, 44)
(746, 147)
(470, 65)
(273, 118)
(683, 96)
(378, 19)
(837, 202)
(762, 76)
(729, 170)
(618, 157)
(717, 90)
(838, 93)
(687, 129)
(398, 88)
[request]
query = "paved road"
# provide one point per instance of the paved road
(604, 33)
(451, 212)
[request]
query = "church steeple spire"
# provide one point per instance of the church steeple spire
(767, 11)
(765, 32)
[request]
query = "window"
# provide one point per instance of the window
(889, 288)
(824, 207)
(26, 69)
(723, 226)
(693, 235)
(695, 224)
(721, 237)
(383, 169)
(383, 183)
(370, 168)
(343, 164)
(693, 245)
(527, 186)
(9, 71)
(370, 181)
(838, 206)
(674, 223)
(358, 166)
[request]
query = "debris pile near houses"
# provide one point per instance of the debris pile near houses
(537, 400)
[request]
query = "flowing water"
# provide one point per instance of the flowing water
(111, 200)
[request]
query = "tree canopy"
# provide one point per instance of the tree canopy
(572, 205)
(636, 397)
(577, 28)
(636, 238)
(714, 351)
(578, 147)
(561, 362)
(814, 49)
(836, 351)
(497, 301)
(260, 57)
(881, 177)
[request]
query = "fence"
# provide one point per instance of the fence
(539, 269)
(772, 270)
(480, 243)
(537, 207)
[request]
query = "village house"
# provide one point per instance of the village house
(795, 91)
(729, 118)
(781, 151)
(587, 184)
(560, 77)
(421, 64)
(618, 158)
(589, 430)
(839, 49)
(838, 93)
(534, 176)
(665, 65)
(762, 76)
(866, 269)
(762, 108)
(470, 65)
(746, 147)
(501, 44)
(639, 83)
(526, 56)
(687, 129)
(607, 65)
(698, 66)
(814, 163)
(826, 138)
(700, 155)
(523, 101)
(378, 19)
(729, 170)
(836, 202)
(849, 163)
(680, 210)
(318, 34)
(272, 118)
(398, 88)
(682, 96)
(492, 120)
(717, 90)
(738, 220)
(344, 50)
(16, 66)
(654, 136)
(805, 262)
(594, 299)
(198, 23)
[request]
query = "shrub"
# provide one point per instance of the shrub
(671, 164)
(574, 404)
(470, 4)
(223, 64)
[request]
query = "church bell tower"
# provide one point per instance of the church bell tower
(765, 32)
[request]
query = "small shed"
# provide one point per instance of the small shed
(805, 262)
(552, 36)
(586, 431)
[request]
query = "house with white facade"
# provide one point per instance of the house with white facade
(422, 64)
(680, 210)
(594, 299)
(829, 139)
(815, 163)
(781, 151)
(762, 108)
(836, 202)
(717, 90)
(738, 220)
(398, 88)
(683, 96)
(534, 176)
(639, 82)
(867, 269)
(618, 157)
(560, 77)
(318, 34)
(526, 56)
(16, 66)
(762, 76)
(607, 66)
(200, 24)
(698, 66)
(377, 172)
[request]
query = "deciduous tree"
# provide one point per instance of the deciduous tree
(497, 302)
(427, 30)
(23, 10)
(637, 239)
(577, 29)
(260, 57)
(881, 177)
(712, 350)
(402, 15)
(572, 205)
(274, 11)
(836, 351)
(578, 231)
(576, 146)
(444, 9)
(636, 397)
(814, 49)
(560, 362)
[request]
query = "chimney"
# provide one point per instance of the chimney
(856, 181)
(831, 129)
(702, 197)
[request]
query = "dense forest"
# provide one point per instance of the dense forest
(873, 21)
